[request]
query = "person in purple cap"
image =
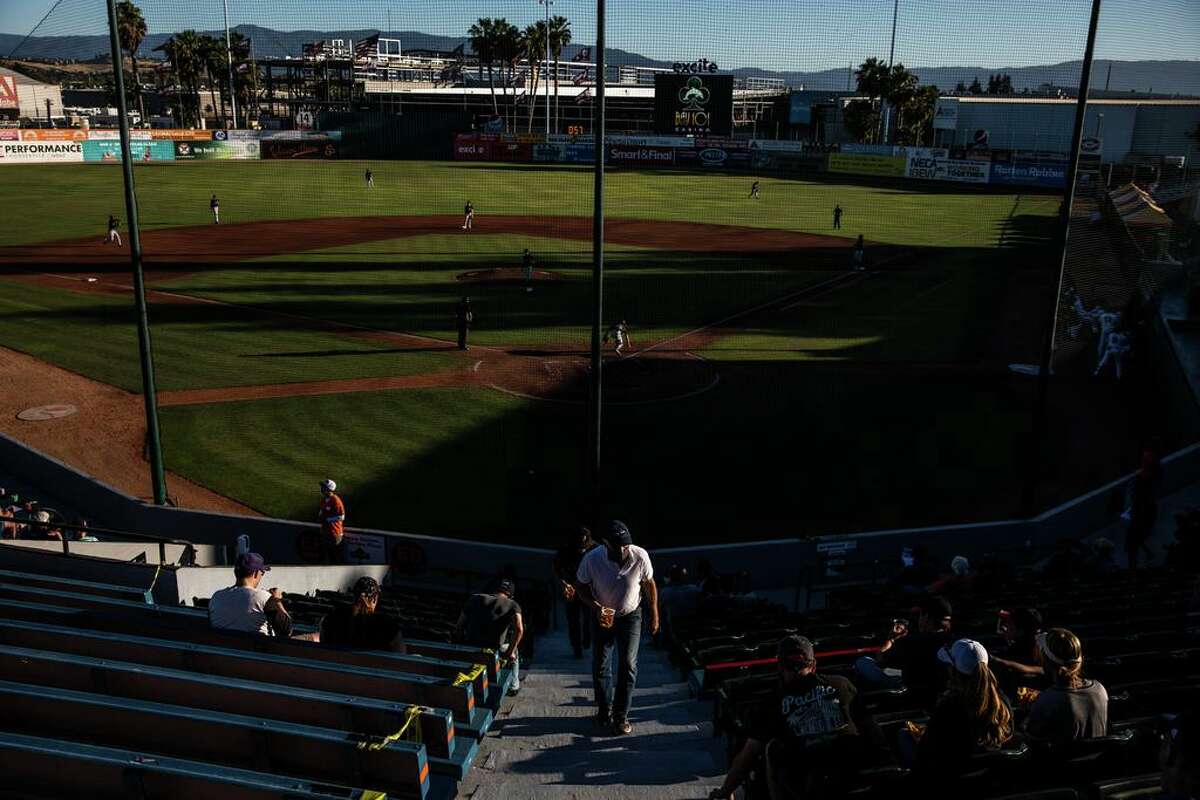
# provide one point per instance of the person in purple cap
(245, 607)
(614, 581)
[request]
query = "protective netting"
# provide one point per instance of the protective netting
(831, 253)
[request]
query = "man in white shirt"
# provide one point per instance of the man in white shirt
(614, 581)
(245, 607)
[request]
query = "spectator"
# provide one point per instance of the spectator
(916, 572)
(809, 729)
(8, 525)
(566, 564)
(1179, 757)
(912, 659)
(972, 715)
(245, 607)
(359, 624)
(332, 516)
(1018, 663)
(958, 582)
(1103, 561)
(82, 533)
(615, 581)
(494, 620)
(1073, 707)
(42, 530)
(1142, 507)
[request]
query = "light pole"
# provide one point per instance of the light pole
(546, 71)
(229, 62)
(887, 117)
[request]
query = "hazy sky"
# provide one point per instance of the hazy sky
(773, 34)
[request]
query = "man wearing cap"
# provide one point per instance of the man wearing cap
(245, 607)
(332, 516)
(614, 581)
(494, 620)
(911, 659)
(807, 729)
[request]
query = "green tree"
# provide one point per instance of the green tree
(510, 48)
(975, 88)
(533, 42)
(131, 31)
(960, 88)
(560, 37)
(184, 51)
(861, 119)
(212, 57)
(484, 43)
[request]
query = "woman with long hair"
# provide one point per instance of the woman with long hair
(1074, 707)
(358, 624)
(970, 716)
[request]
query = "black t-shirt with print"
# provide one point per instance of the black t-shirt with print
(809, 712)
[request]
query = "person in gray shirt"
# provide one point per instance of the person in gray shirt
(1073, 707)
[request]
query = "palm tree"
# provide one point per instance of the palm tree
(131, 30)
(533, 42)
(483, 42)
(212, 57)
(560, 37)
(509, 49)
(184, 52)
(245, 74)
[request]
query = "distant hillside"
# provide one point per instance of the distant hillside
(1164, 77)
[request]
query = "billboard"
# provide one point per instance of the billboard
(868, 149)
(700, 105)
(8, 92)
(1050, 174)
(799, 109)
(964, 171)
(945, 116)
(627, 156)
(109, 150)
(53, 135)
(299, 148)
(580, 154)
(549, 153)
(469, 147)
(922, 162)
(40, 152)
(216, 150)
(856, 164)
(716, 157)
(934, 164)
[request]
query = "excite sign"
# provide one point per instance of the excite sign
(697, 67)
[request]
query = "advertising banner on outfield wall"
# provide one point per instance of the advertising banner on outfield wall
(10, 135)
(625, 156)
(964, 171)
(1050, 174)
(549, 153)
(855, 164)
(216, 151)
(53, 135)
(516, 152)
(945, 116)
(40, 152)
(922, 162)
(580, 154)
(471, 147)
(786, 161)
(717, 157)
(109, 150)
(868, 149)
(304, 149)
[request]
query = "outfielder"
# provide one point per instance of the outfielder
(112, 236)
(468, 216)
(837, 217)
(527, 269)
(215, 206)
(754, 191)
(619, 335)
(370, 176)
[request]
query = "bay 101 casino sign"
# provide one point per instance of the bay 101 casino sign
(693, 104)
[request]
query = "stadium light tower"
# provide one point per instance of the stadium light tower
(229, 63)
(598, 124)
(546, 71)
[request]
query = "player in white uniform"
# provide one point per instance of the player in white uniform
(1116, 346)
(113, 236)
(468, 216)
(214, 205)
(619, 335)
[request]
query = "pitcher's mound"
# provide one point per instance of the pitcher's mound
(502, 275)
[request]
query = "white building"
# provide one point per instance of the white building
(31, 96)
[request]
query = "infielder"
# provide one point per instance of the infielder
(1116, 346)
(527, 269)
(370, 176)
(858, 256)
(112, 236)
(215, 206)
(754, 191)
(468, 216)
(619, 335)
(463, 317)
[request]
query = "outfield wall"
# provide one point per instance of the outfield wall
(73, 145)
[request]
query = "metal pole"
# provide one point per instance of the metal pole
(597, 255)
(886, 122)
(229, 62)
(157, 474)
(1040, 411)
(546, 71)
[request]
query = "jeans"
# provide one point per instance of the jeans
(516, 668)
(579, 632)
(869, 670)
(625, 635)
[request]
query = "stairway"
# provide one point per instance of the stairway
(543, 745)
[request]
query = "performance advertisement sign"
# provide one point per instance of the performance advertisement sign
(945, 116)
(12, 152)
(855, 164)
(700, 105)
(109, 150)
(626, 156)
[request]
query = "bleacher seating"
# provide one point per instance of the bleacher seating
(1139, 640)
(102, 689)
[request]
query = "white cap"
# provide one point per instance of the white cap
(965, 655)
(328, 486)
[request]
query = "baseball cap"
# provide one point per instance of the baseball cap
(507, 587)
(250, 563)
(366, 586)
(965, 655)
(935, 607)
(796, 650)
(617, 533)
(328, 485)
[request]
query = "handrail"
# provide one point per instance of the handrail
(188, 556)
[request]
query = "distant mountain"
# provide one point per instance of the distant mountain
(1164, 77)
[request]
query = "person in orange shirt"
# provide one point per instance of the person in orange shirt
(332, 516)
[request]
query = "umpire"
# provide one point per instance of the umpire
(463, 318)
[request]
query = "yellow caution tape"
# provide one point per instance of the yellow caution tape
(379, 744)
(371, 794)
(470, 677)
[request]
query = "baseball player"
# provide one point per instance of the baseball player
(215, 206)
(527, 269)
(754, 191)
(468, 216)
(463, 317)
(370, 176)
(1116, 346)
(619, 335)
(837, 217)
(858, 256)
(112, 236)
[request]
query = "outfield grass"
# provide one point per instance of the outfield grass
(55, 201)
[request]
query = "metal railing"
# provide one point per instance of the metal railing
(187, 558)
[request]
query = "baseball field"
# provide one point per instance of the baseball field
(768, 390)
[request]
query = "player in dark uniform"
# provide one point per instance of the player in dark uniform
(837, 217)
(463, 317)
(215, 206)
(754, 191)
(859, 254)
(370, 176)
(527, 269)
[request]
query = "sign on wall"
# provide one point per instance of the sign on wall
(40, 152)
(8, 92)
(945, 116)
(697, 105)
(855, 164)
